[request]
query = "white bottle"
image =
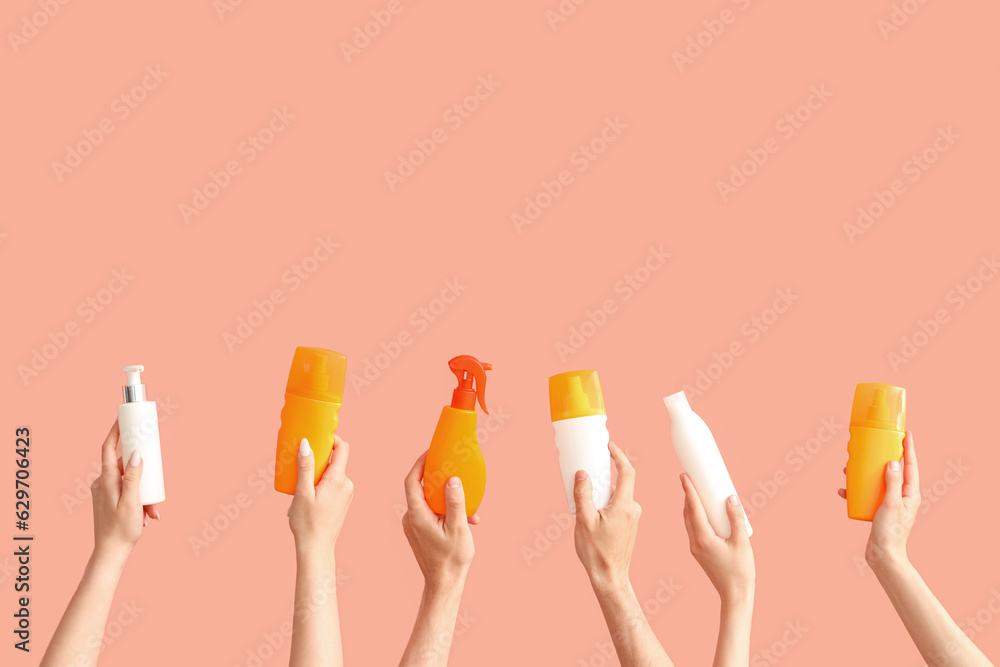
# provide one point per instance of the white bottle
(582, 437)
(140, 430)
(700, 458)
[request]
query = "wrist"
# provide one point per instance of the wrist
(737, 600)
(611, 586)
(887, 561)
(446, 586)
(109, 559)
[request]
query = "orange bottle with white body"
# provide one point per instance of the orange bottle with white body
(454, 449)
(313, 396)
(878, 425)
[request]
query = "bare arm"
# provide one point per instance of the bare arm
(444, 550)
(938, 638)
(604, 540)
(118, 523)
(316, 517)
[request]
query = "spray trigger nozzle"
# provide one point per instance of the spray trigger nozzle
(471, 374)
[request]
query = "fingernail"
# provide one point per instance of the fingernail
(145, 522)
(733, 500)
(304, 448)
(894, 465)
(454, 482)
(580, 475)
(135, 459)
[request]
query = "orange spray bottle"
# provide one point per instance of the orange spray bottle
(878, 425)
(454, 450)
(313, 395)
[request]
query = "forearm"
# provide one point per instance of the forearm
(735, 617)
(434, 629)
(634, 640)
(78, 638)
(938, 638)
(316, 621)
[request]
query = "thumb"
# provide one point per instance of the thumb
(737, 520)
(454, 501)
(130, 479)
(306, 483)
(583, 495)
(893, 483)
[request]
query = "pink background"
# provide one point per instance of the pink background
(655, 185)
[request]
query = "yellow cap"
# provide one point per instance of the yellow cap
(318, 374)
(878, 405)
(575, 394)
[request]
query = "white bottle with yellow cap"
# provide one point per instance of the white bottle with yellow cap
(582, 437)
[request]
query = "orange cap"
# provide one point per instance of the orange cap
(471, 374)
(878, 405)
(575, 394)
(317, 374)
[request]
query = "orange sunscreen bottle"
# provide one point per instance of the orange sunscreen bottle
(878, 425)
(312, 399)
(454, 450)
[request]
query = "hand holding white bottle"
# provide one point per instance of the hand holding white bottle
(700, 458)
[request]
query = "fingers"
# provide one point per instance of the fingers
(130, 480)
(109, 464)
(583, 496)
(625, 486)
(695, 517)
(152, 511)
(842, 493)
(474, 520)
(414, 489)
(893, 483)
(305, 486)
(338, 459)
(737, 521)
(911, 477)
(454, 505)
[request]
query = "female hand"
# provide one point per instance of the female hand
(318, 510)
(728, 563)
(895, 517)
(443, 546)
(604, 538)
(118, 514)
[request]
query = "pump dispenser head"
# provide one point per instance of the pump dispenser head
(575, 394)
(133, 390)
(317, 374)
(471, 374)
(878, 405)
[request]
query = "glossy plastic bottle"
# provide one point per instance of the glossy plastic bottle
(454, 449)
(139, 429)
(878, 426)
(700, 458)
(577, 409)
(313, 396)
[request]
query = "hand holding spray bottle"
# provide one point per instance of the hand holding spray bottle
(878, 426)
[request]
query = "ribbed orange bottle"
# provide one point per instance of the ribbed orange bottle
(878, 426)
(313, 396)
(454, 450)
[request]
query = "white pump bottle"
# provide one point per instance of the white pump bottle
(139, 429)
